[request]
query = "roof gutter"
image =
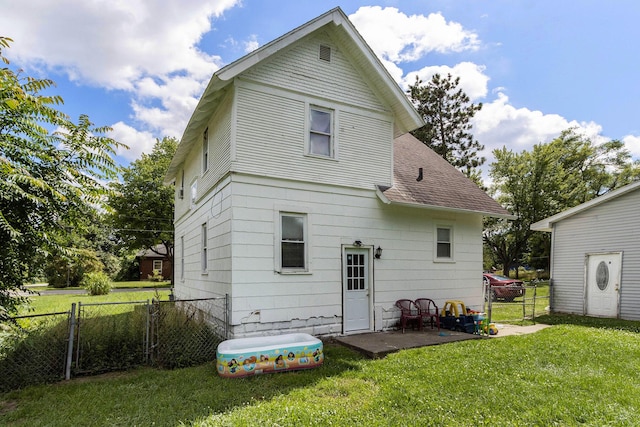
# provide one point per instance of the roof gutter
(387, 201)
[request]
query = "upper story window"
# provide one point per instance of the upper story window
(444, 243)
(293, 245)
(204, 256)
(321, 137)
(205, 150)
(193, 195)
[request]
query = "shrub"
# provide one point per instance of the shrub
(156, 276)
(96, 283)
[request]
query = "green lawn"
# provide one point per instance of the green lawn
(585, 373)
(47, 303)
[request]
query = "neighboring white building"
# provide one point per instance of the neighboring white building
(595, 256)
(295, 167)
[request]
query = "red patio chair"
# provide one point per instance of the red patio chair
(408, 312)
(428, 310)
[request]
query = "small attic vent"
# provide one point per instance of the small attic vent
(325, 53)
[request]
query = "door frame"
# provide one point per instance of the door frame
(585, 303)
(370, 297)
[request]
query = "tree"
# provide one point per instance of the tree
(142, 206)
(447, 110)
(553, 177)
(51, 175)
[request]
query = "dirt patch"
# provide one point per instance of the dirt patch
(8, 406)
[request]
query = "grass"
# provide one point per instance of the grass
(512, 312)
(43, 287)
(580, 372)
(48, 303)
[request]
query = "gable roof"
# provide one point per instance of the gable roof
(335, 21)
(547, 223)
(160, 252)
(442, 187)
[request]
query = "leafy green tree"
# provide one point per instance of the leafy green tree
(448, 111)
(93, 251)
(51, 175)
(142, 206)
(552, 177)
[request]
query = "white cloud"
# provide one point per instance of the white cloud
(397, 37)
(137, 141)
(251, 44)
(142, 47)
(473, 80)
(121, 41)
(500, 124)
(632, 142)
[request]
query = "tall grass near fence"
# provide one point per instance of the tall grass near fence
(100, 337)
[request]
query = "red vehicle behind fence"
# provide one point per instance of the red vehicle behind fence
(502, 287)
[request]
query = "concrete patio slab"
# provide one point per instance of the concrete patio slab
(376, 345)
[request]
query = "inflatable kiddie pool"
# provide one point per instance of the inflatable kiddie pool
(241, 357)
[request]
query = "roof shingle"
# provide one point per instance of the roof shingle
(442, 186)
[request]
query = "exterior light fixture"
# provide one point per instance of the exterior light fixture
(357, 243)
(378, 254)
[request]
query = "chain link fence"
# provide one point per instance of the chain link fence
(102, 337)
(517, 304)
(33, 350)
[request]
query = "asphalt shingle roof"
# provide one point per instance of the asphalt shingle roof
(442, 185)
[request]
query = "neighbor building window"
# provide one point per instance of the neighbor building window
(293, 251)
(205, 150)
(204, 259)
(321, 138)
(444, 243)
(157, 265)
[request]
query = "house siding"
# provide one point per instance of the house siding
(264, 299)
(219, 159)
(271, 141)
(299, 69)
(613, 226)
(214, 210)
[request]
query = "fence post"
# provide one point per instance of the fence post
(72, 327)
(147, 334)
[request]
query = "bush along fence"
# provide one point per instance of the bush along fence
(96, 338)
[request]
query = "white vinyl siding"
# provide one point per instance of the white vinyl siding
(610, 227)
(300, 70)
(271, 141)
(339, 216)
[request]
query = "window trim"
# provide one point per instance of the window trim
(204, 260)
(193, 193)
(278, 243)
(333, 139)
(153, 265)
(436, 242)
(182, 258)
(205, 150)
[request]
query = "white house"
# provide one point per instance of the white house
(300, 194)
(595, 256)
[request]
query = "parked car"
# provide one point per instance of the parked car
(502, 287)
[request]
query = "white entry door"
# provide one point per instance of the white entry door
(603, 283)
(357, 307)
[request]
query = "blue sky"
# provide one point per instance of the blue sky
(538, 66)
